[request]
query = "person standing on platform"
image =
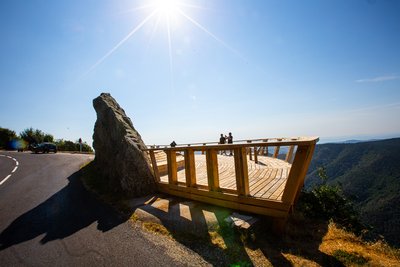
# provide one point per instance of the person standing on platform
(222, 141)
(230, 141)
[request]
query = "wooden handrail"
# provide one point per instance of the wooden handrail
(235, 142)
(300, 152)
(216, 145)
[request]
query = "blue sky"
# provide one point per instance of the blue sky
(255, 68)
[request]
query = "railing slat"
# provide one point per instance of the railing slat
(212, 169)
(242, 173)
(190, 168)
(172, 167)
(289, 155)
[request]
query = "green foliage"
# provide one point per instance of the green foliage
(6, 137)
(48, 138)
(67, 145)
(350, 258)
(328, 202)
(32, 136)
(369, 175)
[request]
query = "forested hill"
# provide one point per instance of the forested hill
(369, 173)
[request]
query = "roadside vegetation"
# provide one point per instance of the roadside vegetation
(9, 140)
(324, 230)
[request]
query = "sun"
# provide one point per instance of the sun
(168, 8)
(170, 12)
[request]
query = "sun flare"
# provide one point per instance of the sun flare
(168, 8)
(169, 12)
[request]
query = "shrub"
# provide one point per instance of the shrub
(327, 202)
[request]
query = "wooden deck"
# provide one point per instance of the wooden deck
(267, 178)
(252, 180)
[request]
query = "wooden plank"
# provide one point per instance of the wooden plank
(289, 155)
(265, 184)
(276, 152)
(255, 155)
(212, 169)
(297, 173)
(241, 171)
(172, 167)
(155, 167)
(249, 150)
(279, 191)
(263, 210)
(282, 142)
(278, 205)
(190, 168)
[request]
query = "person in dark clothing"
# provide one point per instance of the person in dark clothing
(230, 141)
(222, 140)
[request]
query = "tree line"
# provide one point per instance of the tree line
(30, 137)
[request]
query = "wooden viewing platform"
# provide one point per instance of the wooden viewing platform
(262, 176)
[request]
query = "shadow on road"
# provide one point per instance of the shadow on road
(63, 214)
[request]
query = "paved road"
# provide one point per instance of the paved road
(48, 218)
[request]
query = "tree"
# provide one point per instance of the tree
(6, 137)
(35, 136)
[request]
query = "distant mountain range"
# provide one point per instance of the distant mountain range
(369, 173)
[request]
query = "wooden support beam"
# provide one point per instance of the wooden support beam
(289, 155)
(172, 167)
(212, 169)
(297, 173)
(276, 152)
(255, 155)
(190, 168)
(241, 170)
(249, 150)
(202, 150)
(154, 164)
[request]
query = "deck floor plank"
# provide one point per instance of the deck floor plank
(267, 179)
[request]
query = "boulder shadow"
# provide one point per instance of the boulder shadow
(301, 238)
(63, 214)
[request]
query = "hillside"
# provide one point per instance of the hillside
(369, 173)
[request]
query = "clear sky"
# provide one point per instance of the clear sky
(191, 70)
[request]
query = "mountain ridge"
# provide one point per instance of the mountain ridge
(369, 174)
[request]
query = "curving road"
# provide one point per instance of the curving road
(47, 218)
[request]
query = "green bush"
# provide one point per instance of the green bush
(6, 137)
(327, 202)
(66, 145)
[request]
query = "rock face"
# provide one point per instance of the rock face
(119, 150)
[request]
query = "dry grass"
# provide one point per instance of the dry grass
(338, 242)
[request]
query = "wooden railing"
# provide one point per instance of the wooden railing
(298, 153)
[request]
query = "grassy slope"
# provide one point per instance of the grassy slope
(369, 173)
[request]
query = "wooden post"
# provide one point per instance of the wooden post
(172, 167)
(255, 155)
(241, 170)
(202, 150)
(297, 173)
(154, 164)
(212, 169)
(190, 168)
(276, 152)
(249, 149)
(289, 155)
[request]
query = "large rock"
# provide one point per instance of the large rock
(119, 150)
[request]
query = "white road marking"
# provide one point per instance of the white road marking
(15, 168)
(5, 179)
